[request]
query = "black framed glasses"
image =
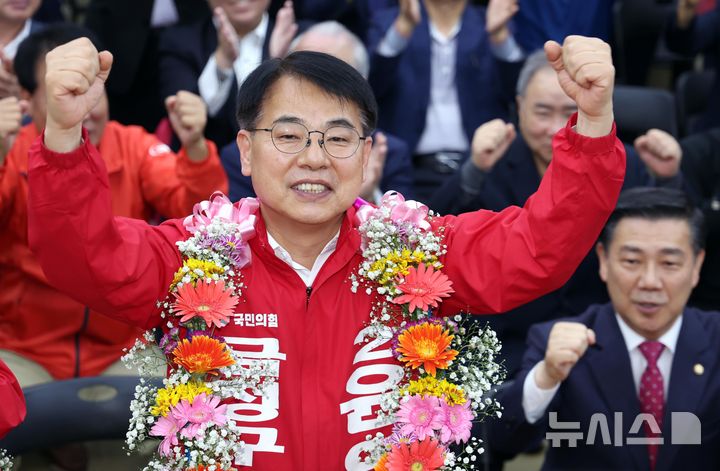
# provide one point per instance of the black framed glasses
(339, 142)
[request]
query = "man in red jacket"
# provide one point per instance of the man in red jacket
(307, 245)
(44, 333)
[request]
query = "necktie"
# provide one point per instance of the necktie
(652, 397)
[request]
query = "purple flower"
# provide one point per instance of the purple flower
(168, 342)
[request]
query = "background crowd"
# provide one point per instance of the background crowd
(467, 110)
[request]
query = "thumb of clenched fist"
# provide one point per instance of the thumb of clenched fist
(75, 78)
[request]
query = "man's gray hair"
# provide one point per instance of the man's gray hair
(534, 63)
(335, 30)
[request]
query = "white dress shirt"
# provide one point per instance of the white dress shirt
(536, 400)
(164, 13)
(10, 48)
(215, 84)
(308, 276)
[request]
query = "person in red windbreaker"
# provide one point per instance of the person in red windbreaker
(45, 334)
(297, 305)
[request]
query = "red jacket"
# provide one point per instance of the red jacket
(330, 382)
(12, 411)
(47, 326)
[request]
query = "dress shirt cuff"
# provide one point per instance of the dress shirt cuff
(471, 178)
(392, 44)
(508, 50)
(534, 399)
(214, 90)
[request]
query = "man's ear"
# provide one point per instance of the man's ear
(244, 143)
(602, 258)
(366, 150)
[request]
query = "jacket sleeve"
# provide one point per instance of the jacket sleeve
(9, 175)
(383, 70)
(498, 261)
(512, 433)
(117, 266)
(172, 183)
(12, 411)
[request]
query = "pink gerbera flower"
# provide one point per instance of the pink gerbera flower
(425, 455)
(457, 422)
(210, 301)
(423, 288)
(198, 414)
(168, 428)
(420, 416)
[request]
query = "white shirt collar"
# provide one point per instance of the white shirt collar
(307, 275)
(10, 48)
(436, 35)
(633, 339)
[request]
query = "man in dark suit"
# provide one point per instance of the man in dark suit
(692, 31)
(633, 384)
(439, 69)
(389, 167)
(131, 30)
(213, 55)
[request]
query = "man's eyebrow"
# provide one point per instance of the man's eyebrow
(340, 122)
(288, 119)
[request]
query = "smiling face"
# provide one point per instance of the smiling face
(309, 188)
(244, 15)
(18, 10)
(650, 270)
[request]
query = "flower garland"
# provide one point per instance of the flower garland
(449, 363)
(188, 413)
(6, 463)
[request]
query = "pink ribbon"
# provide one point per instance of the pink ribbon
(219, 206)
(400, 210)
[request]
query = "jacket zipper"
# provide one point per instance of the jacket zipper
(308, 292)
(77, 341)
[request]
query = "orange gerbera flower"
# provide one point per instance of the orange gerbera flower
(426, 345)
(382, 463)
(202, 354)
(423, 288)
(210, 301)
(425, 455)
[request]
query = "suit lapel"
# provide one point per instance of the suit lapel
(610, 368)
(686, 386)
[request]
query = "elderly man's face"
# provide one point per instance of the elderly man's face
(543, 110)
(243, 14)
(650, 270)
(310, 187)
(18, 10)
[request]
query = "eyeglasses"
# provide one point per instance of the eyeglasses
(339, 142)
